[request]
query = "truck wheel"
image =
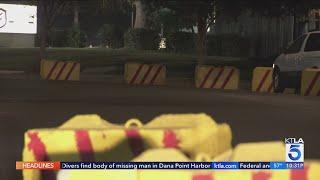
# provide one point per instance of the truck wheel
(278, 81)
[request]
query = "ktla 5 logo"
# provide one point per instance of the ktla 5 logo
(294, 150)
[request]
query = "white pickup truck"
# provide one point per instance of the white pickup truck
(301, 54)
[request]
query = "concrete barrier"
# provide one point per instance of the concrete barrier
(310, 82)
(217, 77)
(145, 74)
(310, 172)
(60, 70)
(90, 138)
(262, 80)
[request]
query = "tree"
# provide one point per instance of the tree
(200, 13)
(47, 13)
(140, 16)
(76, 13)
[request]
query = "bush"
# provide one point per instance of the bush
(181, 42)
(142, 39)
(57, 38)
(110, 35)
(228, 45)
(76, 37)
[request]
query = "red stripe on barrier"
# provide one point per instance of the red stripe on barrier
(313, 82)
(261, 175)
(217, 77)
(52, 69)
(170, 139)
(84, 145)
(270, 88)
(61, 70)
(37, 146)
(146, 75)
(263, 80)
(206, 176)
(206, 77)
(40, 153)
(156, 75)
(299, 174)
(136, 74)
(135, 141)
(71, 70)
(227, 79)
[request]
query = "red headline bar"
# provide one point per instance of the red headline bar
(38, 165)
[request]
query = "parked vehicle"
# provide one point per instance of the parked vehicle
(301, 54)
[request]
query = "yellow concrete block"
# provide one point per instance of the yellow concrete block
(191, 133)
(98, 174)
(145, 74)
(310, 82)
(162, 155)
(259, 151)
(90, 138)
(60, 70)
(217, 77)
(262, 79)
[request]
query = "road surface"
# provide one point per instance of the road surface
(26, 104)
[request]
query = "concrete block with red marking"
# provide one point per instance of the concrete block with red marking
(217, 77)
(310, 82)
(262, 80)
(60, 70)
(183, 132)
(145, 74)
(311, 172)
(90, 138)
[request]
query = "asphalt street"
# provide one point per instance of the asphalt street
(26, 104)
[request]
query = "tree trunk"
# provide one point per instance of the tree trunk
(76, 13)
(43, 28)
(201, 39)
(140, 19)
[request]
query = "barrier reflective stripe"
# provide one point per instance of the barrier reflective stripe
(217, 78)
(136, 74)
(52, 69)
(84, 145)
(37, 147)
(146, 75)
(170, 139)
(39, 150)
(227, 79)
(156, 75)
(300, 174)
(61, 70)
(261, 175)
(135, 141)
(206, 77)
(203, 176)
(313, 82)
(71, 70)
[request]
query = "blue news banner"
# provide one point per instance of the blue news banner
(182, 165)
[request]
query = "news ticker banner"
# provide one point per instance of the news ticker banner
(160, 165)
